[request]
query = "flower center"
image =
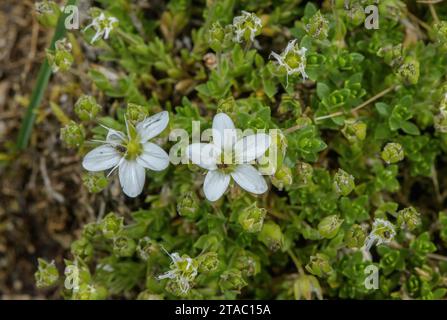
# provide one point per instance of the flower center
(293, 60)
(227, 162)
(134, 149)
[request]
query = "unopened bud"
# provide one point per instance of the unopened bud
(73, 134)
(355, 236)
(247, 262)
(188, 206)
(354, 131)
(393, 152)
(136, 113)
(94, 181)
(271, 235)
(146, 248)
(111, 225)
(409, 71)
(60, 59)
(232, 280)
(319, 265)
(282, 178)
(305, 286)
(46, 274)
(47, 13)
(329, 226)
(408, 218)
(343, 183)
(82, 248)
(318, 26)
(252, 218)
(124, 246)
(208, 262)
(86, 108)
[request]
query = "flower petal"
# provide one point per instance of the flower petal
(152, 126)
(101, 158)
(224, 132)
(132, 177)
(115, 136)
(248, 178)
(216, 183)
(251, 147)
(153, 157)
(204, 155)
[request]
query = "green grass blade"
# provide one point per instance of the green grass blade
(40, 87)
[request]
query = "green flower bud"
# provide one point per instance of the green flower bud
(86, 108)
(94, 181)
(305, 173)
(355, 236)
(82, 248)
(111, 225)
(46, 274)
(409, 71)
(136, 113)
(90, 292)
(329, 226)
(227, 105)
(440, 30)
(408, 218)
(440, 120)
(319, 265)
(271, 235)
(252, 218)
(147, 295)
(273, 159)
(188, 206)
(343, 183)
(208, 262)
(354, 130)
(356, 15)
(90, 230)
(146, 248)
(392, 153)
(47, 13)
(217, 36)
(60, 59)
(318, 26)
(247, 262)
(391, 54)
(305, 286)
(282, 178)
(73, 134)
(231, 280)
(124, 246)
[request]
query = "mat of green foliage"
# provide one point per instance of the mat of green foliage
(355, 200)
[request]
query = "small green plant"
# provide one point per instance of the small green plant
(339, 163)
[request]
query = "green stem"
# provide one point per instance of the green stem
(40, 87)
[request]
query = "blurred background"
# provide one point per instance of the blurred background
(42, 202)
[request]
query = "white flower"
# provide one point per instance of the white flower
(246, 25)
(131, 153)
(382, 232)
(103, 26)
(228, 158)
(293, 59)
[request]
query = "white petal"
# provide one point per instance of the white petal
(216, 183)
(115, 136)
(204, 155)
(132, 177)
(153, 157)
(152, 126)
(248, 178)
(251, 147)
(224, 133)
(101, 158)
